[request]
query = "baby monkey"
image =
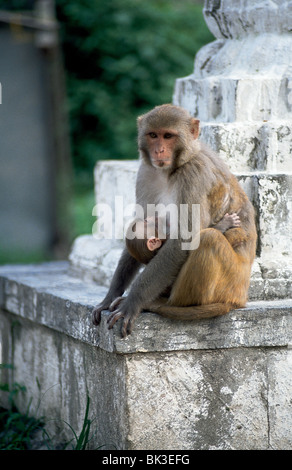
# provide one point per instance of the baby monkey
(151, 233)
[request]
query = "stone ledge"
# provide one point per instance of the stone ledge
(48, 295)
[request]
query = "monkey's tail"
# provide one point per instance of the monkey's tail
(192, 312)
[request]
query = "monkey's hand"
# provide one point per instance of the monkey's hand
(233, 220)
(126, 310)
(106, 304)
(227, 222)
(96, 314)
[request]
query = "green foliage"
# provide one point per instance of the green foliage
(16, 4)
(83, 439)
(16, 429)
(14, 256)
(122, 58)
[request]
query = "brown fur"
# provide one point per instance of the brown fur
(220, 273)
(214, 274)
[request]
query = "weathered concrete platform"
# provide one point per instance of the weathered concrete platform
(223, 383)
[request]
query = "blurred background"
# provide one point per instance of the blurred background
(75, 75)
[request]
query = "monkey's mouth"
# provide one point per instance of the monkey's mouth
(162, 163)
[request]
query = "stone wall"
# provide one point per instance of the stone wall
(222, 383)
(240, 89)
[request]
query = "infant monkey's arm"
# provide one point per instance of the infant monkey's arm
(227, 222)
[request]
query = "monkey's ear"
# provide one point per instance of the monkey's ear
(139, 120)
(195, 127)
(153, 243)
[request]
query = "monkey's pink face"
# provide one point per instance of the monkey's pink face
(161, 144)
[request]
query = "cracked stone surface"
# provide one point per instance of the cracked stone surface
(222, 383)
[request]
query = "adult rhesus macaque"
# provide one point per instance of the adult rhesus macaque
(177, 168)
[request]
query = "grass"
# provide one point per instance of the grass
(16, 429)
(19, 430)
(84, 437)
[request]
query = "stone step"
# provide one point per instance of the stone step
(95, 260)
(240, 18)
(163, 387)
(223, 98)
(256, 146)
(270, 193)
(48, 295)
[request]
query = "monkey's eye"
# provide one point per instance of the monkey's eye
(152, 135)
(168, 135)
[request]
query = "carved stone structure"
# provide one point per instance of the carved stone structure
(241, 90)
